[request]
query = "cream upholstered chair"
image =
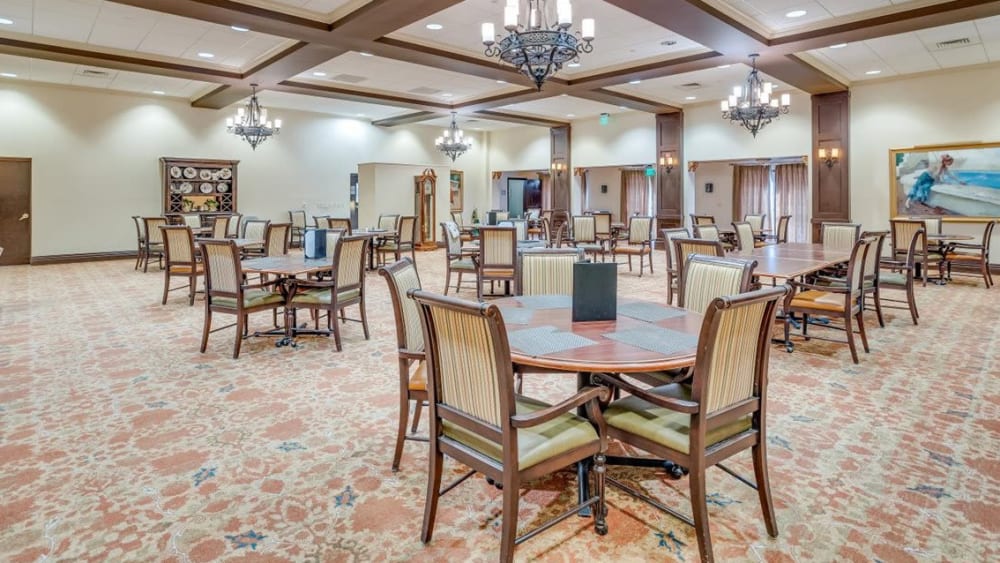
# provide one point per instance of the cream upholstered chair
(220, 226)
(839, 236)
(756, 222)
(744, 236)
(899, 274)
(344, 289)
(702, 220)
(192, 221)
(235, 226)
(602, 227)
(707, 231)
(154, 240)
(255, 231)
(902, 231)
(297, 217)
(319, 221)
(521, 226)
(870, 276)
(721, 413)
(548, 271)
(828, 301)
(403, 241)
(276, 239)
(673, 273)
(181, 259)
(503, 216)
(585, 235)
(685, 247)
(477, 419)
(455, 260)
(388, 222)
(639, 242)
(974, 255)
(226, 292)
(402, 278)
(781, 233)
(497, 260)
(341, 223)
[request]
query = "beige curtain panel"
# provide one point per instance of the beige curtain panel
(751, 185)
(791, 191)
(635, 194)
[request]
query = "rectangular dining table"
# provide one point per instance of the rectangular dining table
(792, 259)
(288, 267)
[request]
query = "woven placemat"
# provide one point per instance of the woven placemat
(516, 315)
(545, 340)
(546, 301)
(656, 339)
(649, 312)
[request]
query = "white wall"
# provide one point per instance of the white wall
(520, 148)
(943, 108)
(610, 176)
(95, 160)
(719, 203)
(628, 138)
(391, 189)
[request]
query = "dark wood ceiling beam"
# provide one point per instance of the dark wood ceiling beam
(382, 17)
(793, 71)
(222, 96)
(519, 119)
(408, 118)
(626, 100)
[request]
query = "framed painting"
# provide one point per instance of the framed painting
(954, 182)
(456, 185)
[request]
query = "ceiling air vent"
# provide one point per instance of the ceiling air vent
(89, 72)
(349, 78)
(689, 86)
(951, 43)
(424, 91)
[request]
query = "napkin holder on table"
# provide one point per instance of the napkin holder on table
(595, 291)
(314, 244)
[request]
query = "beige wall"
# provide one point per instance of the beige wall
(391, 189)
(720, 202)
(628, 138)
(95, 160)
(611, 201)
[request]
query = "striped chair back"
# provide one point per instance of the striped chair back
(702, 220)
(782, 234)
(733, 352)
(153, 233)
(521, 226)
(497, 247)
(452, 237)
(297, 217)
(584, 229)
(340, 223)
(874, 255)
(276, 239)
(332, 238)
(756, 222)
(140, 228)
(856, 266)
(706, 232)
(223, 274)
(220, 228)
(349, 262)
(840, 236)
(255, 229)
(640, 229)
(503, 216)
(668, 242)
(470, 377)
(402, 278)
(548, 271)
(406, 230)
(744, 235)
(388, 222)
(933, 224)
(320, 220)
(708, 277)
(178, 245)
(903, 231)
(685, 247)
(192, 221)
(602, 224)
(456, 217)
(233, 230)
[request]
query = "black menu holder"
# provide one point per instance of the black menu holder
(595, 291)
(491, 217)
(314, 244)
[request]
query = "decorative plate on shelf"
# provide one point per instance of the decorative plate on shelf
(187, 187)
(222, 187)
(190, 172)
(174, 187)
(205, 174)
(206, 188)
(175, 171)
(226, 173)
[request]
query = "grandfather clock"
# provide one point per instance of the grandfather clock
(423, 204)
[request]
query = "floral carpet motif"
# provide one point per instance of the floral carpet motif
(119, 441)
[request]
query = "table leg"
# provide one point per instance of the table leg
(583, 467)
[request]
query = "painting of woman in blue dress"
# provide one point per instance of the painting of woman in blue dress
(946, 180)
(934, 174)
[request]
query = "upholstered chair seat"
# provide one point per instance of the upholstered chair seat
(252, 298)
(324, 296)
(819, 300)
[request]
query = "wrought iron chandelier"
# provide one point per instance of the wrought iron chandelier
(753, 106)
(452, 141)
(251, 122)
(537, 48)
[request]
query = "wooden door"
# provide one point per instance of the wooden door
(15, 210)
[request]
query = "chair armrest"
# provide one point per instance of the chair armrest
(678, 405)
(808, 286)
(967, 246)
(315, 284)
(587, 394)
(894, 264)
(831, 279)
(264, 285)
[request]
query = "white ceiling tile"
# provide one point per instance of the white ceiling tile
(562, 108)
(344, 108)
(961, 56)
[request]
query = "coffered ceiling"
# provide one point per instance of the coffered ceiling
(412, 61)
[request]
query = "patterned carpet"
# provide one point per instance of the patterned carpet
(120, 442)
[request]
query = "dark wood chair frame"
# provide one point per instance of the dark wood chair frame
(644, 248)
(907, 267)
(923, 254)
(483, 268)
(504, 472)
(701, 455)
(140, 238)
(176, 268)
(697, 220)
(298, 231)
(403, 223)
(341, 223)
(153, 248)
(673, 273)
(704, 247)
(964, 249)
(455, 254)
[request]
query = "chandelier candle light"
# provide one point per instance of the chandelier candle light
(453, 141)
(538, 49)
(753, 106)
(251, 122)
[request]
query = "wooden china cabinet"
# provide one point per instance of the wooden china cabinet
(200, 187)
(423, 205)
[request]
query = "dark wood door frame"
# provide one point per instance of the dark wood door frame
(15, 251)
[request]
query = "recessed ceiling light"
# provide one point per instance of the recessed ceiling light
(159, 92)
(691, 97)
(622, 107)
(873, 72)
(361, 115)
(723, 66)
(8, 75)
(501, 81)
(239, 28)
(434, 26)
(573, 65)
(634, 81)
(366, 54)
(795, 14)
(206, 55)
(570, 115)
(319, 74)
(447, 95)
(838, 46)
(5, 21)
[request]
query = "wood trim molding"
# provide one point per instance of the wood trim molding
(82, 257)
(831, 190)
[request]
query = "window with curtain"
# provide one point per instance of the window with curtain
(791, 197)
(636, 193)
(752, 192)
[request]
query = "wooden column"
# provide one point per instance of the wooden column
(831, 191)
(561, 181)
(670, 186)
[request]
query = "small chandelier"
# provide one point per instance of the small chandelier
(251, 122)
(452, 141)
(538, 49)
(752, 105)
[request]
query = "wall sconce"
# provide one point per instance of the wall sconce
(558, 166)
(829, 158)
(667, 162)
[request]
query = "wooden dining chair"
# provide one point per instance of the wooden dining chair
(547, 271)
(685, 247)
(781, 233)
(402, 277)
(235, 225)
(478, 420)
(602, 228)
(832, 301)
(226, 290)
(902, 231)
(297, 217)
(140, 241)
(345, 288)
(899, 274)
(455, 260)
(153, 242)
(497, 260)
(181, 260)
(839, 236)
(339, 223)
(972, 255)
(276, 239)
(707, 231)
(745, 239)
(721, 413)
(387, 222)
(702, 220)
(673, 273)
(640, 242)
(220, 226)
(756, 222)
(585, 236)
(255, 230)
(402, 241)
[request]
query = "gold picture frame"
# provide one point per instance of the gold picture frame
(957, 182)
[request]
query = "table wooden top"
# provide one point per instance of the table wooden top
(606, 355)
(289, 265)
(793, 259)
(240, 242)
(949, 236)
